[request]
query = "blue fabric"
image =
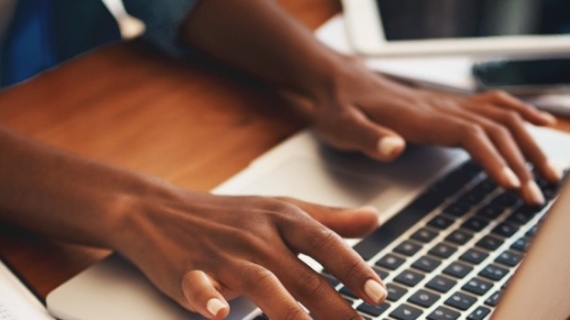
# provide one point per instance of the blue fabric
(29, 48)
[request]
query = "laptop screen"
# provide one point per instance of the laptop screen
(429, 19)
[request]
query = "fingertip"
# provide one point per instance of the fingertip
(218, 308)
(548, 118)
(390, 147)
(375, 291)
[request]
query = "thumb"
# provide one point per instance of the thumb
(349, 223)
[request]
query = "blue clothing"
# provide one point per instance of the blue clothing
(44, 33)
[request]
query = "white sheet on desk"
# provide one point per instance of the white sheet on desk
(16, 302)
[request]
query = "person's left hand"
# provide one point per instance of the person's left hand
(363, 111)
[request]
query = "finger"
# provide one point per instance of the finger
(359, 133)
(528, 145)
(203, 297)
(265, 290)
(311, 289)
(325, 246)
(528, 112)
(349, 223)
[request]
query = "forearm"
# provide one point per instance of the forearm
(60, 195)
(258, 37)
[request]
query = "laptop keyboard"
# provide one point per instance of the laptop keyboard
(450, 253)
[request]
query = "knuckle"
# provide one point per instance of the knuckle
(312, 284)
(512, 118)
(497, 130)
(324, 237)
(499, 94)
(472, 131)
(262, 279)
(354, 269)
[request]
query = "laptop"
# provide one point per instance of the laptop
(455, 246)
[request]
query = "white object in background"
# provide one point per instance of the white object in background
(449, 72)
(16, 301)
(557, 104)
(129, 26)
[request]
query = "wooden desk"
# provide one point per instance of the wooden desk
(192, 125)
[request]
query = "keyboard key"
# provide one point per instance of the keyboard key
(408, 248)
(460, 301)
(477, 286)
(440, 222)
(426, 264)
(489, 243)
(471, 198)
(441, 284)
(475, 224)
(505, 229)
(520, 245)
(390, 262)
(374, 311)
(457, 209)
(494, 272)
(459, 237)
(532, 231)
(509, 258)
(521, 217)
(261, 317)
(443, 250)
(458, 270)
(395, 292)
(490, 212)
(424, 235)
(381, 273)
(406, 312)
(409, 278)
(493, 300)
(443, 313)
(332, 281)
(424, 298)
(347, 293)
(479, 314)
(506, 200)
(474, 256)
(486, 186)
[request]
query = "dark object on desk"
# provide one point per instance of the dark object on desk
(524, 77)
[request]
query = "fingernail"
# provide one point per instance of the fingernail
(511, 178)
(375, 291)
(534, 192)
(554, 170)
(548, 117)
(390, 146)
(215, 305)
(369, 209)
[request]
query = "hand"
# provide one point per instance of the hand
(202, 249)
(362, 111)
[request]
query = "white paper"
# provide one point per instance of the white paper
(16, 301)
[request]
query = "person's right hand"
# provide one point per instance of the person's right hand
(202, 249)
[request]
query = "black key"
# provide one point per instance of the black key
(490, 212)
(479, 314)
(477, 286)
(406, 312)
(474, 256)
(532, 231)
(381, 273)
(475, 224)
(505, 229)
(424, 235)
(460, 301)
(459, 237)
(347, 293)
(457, 209)
(471, 198)
(489, 243)
(390, 262)
(261, 317)
(441, 284)
(443, 313)
(458, 269)
(408, 248)
(494, 272)
(520, 245)
(507, 199)
(409, 278)
(424, 298)
(485, 187)
(443, 250)
(509, 258)
(493, 300)
(440, 222)
(402, 221)
(395, 292)
(521, 217)
(374, 311)
(426, 263)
